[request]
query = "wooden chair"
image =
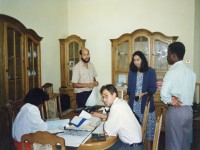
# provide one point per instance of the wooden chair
(15, 107)
(197, 93)
(145, 119)
(52, 107)
(48, 88)
(157, 132)
(42, 138)
(6, 141)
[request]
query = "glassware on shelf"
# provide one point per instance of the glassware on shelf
(35, 54)
(34, 73)
(29, 73)
(29, 54)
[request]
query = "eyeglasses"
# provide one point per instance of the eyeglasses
(104, 97)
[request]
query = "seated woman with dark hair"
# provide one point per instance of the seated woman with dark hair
(28, 119)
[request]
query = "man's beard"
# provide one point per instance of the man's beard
(85, 61)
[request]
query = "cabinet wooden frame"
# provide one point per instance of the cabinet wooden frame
(14, 79)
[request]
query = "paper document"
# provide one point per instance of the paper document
(57, 123)
(93, 98)
(85, 114)
(55, 131)
(75, 139)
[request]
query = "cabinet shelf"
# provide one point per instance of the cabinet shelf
(13, 79)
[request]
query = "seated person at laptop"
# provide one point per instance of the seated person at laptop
(28, 119)
(120, 121)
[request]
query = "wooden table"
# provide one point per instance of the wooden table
(110, 140)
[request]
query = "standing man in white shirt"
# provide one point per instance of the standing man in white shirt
(178, 91)
(121, 121)
(83, 78)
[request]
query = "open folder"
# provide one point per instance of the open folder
(77, 121)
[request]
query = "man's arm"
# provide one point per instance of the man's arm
(100, 115)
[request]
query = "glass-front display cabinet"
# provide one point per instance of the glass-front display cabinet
(13, 59)
(154, 46)
(69, 56)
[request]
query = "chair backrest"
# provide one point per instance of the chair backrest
(197, 93)
(48, 87)
(157, 132)
(6, 141)
(15, 107)
(42, 138)
(52, 107)
(145, 118)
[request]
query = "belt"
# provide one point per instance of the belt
(136, 144)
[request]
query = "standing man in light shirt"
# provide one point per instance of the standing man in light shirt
(178, 91)
(120, 121)
(83, 78)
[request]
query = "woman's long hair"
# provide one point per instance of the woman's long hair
(144, 63)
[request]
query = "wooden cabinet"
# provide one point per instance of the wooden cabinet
(154, 45)
(19, 59)
(69, 56)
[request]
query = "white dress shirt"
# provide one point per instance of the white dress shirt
(179, 81)
(28, 120)
(122, 122)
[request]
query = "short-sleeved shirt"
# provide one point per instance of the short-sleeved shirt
(28, 120)
(82, 74)
(122, 122)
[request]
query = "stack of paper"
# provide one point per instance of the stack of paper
(57, 126)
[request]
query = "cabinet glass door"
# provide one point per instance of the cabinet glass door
(15, 82)
(35, 65)
(33, 53)
(160, 55)
(122, 63)
(141, 43)
(74, 48)
(122, 57)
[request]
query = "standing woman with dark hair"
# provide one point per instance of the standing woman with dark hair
(28, 119)
(141, 84)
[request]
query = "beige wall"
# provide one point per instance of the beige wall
(97, 21)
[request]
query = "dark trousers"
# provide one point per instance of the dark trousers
(82, 97)
(119, 145)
